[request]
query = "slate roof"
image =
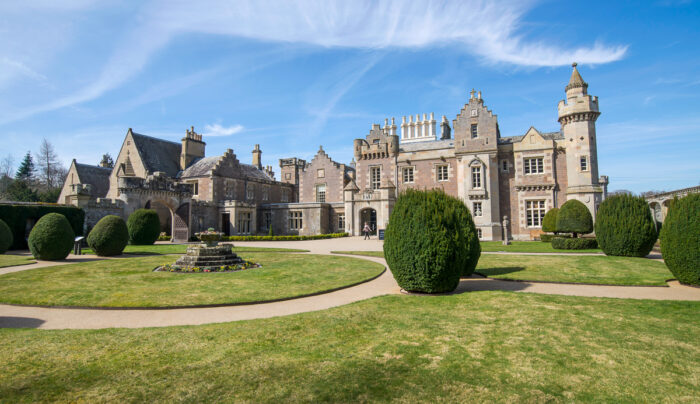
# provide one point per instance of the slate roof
(96, 176)
(516, 139)
(204, 166)
(429, 145)
(158, 154)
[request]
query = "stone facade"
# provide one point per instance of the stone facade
(516, 177)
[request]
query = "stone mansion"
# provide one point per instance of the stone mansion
(518, 177)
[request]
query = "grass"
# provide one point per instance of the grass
(474, 347)
(573, 268)
(9, 260)
(130, 282)
(182, 248)
(529, 247)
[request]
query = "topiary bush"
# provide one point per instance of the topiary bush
(431, 241)
(549, 221)
(565, 243)
(51, 238)
(624, 226)
(143, 226)
(574, 217)
(5, 237)
(680, 239)
(109, 236)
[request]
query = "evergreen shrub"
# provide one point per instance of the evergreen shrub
(51, 238)
(565, 243)
(109, 236)
(5, 237)
(18, 215)
(431, 241)
(143, 226)
(574, 217)
(680, 239)
(624, 226)
(549, 221)
(284, 238)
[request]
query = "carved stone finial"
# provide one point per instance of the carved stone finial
(574, 64)
(471, 94)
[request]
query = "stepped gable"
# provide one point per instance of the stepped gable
(96, 176)
(158, 154)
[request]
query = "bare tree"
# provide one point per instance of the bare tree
(6, 165)
(48, 163)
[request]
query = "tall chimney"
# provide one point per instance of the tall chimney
(256, 157)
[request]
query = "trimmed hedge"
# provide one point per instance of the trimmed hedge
(431, 241)
(549, 221)
(143, 226)
(624, 226)
(109, 236)
(16, 215)
(51, 238)
(5, 237)
(574, 217)
(680, 239)
(565, 243)
(284, 238)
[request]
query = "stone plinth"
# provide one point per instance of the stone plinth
(205, 256)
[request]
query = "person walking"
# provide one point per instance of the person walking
(366, 230)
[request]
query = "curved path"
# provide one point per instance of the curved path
(62, 318)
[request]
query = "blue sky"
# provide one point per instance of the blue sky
(295, 75)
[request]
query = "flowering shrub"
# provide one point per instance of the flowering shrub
(223, 268)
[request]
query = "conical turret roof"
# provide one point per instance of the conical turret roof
(576, 80)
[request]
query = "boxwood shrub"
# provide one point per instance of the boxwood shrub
(51, 238)
(574, 217)
(680, 239)
(624, 226)
(565, 243)
(109, 236)
(19, 215)
(284, 238)
(549, 221)
(430, 242)
(143, 226)
(5, 237)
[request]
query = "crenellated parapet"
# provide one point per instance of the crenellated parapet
(157, 182)
(378, 144)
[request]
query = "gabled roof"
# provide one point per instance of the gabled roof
(515, 139)
(204, 166)
(158, 154)
(351, 186)
(427, 145)
(96, 176)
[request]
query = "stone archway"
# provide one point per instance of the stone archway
(368, 215)
(165, 214)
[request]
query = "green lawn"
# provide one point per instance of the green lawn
(181, 248)
(130, 282)
(572, 268)
(8, 260)
(474, 347)
(528, 247)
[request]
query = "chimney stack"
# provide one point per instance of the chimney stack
(257, 157)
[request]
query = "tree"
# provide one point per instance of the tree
(20, 191)
(25, 172)
(107, 161)
(6, 166)
(574, 217)
(49, 165)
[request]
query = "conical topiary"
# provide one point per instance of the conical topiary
(680, 239)
(574, 217)
(624, 226)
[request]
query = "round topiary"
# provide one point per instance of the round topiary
(6, 238)
(574, 217)
(143, 226)
(109, 236)
(624, 226)
(51, 238)
(430, 242)
(680, 239)
(549, 222)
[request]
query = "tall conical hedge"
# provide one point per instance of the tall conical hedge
(51, 238)
(430, 241)
(143, 226)
(574, 217)
(549, 222)
(624, 226)
(680, 239)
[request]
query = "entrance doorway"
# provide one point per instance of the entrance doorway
(226, 224)
(181, 224)
(369, 215)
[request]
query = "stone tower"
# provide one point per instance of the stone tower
(577, 116)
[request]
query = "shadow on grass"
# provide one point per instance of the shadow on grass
(20, 322)
(500, 271)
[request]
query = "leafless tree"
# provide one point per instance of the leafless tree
(6, 166)
(49, 165)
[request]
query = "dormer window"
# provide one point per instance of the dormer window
(474, 131)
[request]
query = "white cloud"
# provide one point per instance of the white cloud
(218, 130)
(486, 29)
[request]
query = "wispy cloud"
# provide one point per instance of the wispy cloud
(218, 130)
(488, 30)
